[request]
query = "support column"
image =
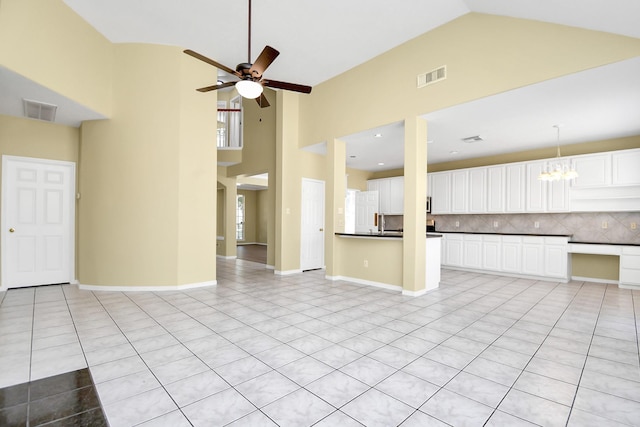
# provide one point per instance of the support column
(335, 197)
(288, 185)
(415, 192)
(229, 249)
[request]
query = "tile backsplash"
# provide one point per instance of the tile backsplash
(582, 226)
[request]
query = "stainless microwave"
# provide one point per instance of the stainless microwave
(428, 204)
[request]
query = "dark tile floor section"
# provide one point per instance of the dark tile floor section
(68, 400)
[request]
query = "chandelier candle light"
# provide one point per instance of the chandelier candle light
(558, 169)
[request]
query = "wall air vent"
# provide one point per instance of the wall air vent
(432, 76)
(39, 110)
(471, 139)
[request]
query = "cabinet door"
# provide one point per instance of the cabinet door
(515, 195)
(459, 191)
(441, 199)
(396, 195)
(495, 189)
(511, 254)
(491, 248)
(429, 185)
(478, 190)
(558, 196)
(533, 256)
(472, 251)
(594, 170)
(384, 186)
(625, 167)
(536, 197)
(555, 261)
(454, 250)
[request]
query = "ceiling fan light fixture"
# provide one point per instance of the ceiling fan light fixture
(249, 89)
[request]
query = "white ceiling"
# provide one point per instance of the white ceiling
(321, 39)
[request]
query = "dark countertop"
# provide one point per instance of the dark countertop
(390, 234)
(506, 234)
(604, 243)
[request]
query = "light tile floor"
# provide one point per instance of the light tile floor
(265, 350)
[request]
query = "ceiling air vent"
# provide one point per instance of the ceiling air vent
(471, 139)
(39, 110)
(433, 76)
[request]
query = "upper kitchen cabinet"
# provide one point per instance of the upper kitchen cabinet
(626, 168)
(477, 190)
(544, 196)
(460, 191)
(607, 182)
(495, 189)
(390, 193)
(441, 192)
(515, 188)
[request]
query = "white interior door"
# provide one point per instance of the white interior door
(38, 217)
(312, 227)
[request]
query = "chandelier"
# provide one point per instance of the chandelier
(558, 169)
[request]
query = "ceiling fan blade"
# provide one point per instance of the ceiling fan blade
(215, 87)
(262, 101)
(286, 86)
(266, 57)
(210, 61)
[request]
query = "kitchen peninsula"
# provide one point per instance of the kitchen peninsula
(376, 259)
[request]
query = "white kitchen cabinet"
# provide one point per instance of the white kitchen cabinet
(533, 255)
(441, 187)
(594, 170)
(390, 192)
(459, 191)
(630, 267)
(556, 257)
(536, 200)
(477, 198)
(384, 188)
(396, 195)
(625, 166)
(454, 248)
(472, 256)
(544, 257)
(558, 196)
(515, 188)
(495, 189)
(511, 254)
(429, 186)
(491, 252)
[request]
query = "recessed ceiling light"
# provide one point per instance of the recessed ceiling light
(453, 152)
(377, 135)
(381, 164)
(429, 141)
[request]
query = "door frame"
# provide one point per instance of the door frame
(6, 159)
(324, 219)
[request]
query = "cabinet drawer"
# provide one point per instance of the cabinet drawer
(630, 262)
(629, 276)
(631, 250)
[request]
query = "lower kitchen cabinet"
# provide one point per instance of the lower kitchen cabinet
(540, 257)
(630, 267)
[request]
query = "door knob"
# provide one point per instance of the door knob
(11, 230)
(322, 229)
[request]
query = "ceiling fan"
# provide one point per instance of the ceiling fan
(252, 82)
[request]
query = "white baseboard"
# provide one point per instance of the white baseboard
(286, 272)
(147, 288)
(594, 279)
(365, 282)
(271, 267)
(250, 243)
(414, 293)
(226, 257)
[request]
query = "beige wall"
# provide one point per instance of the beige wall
(148, 177)
(262, 216)
(604, 267)
(383, 256)
(357, 179)
(34, 138)
(47, 42)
